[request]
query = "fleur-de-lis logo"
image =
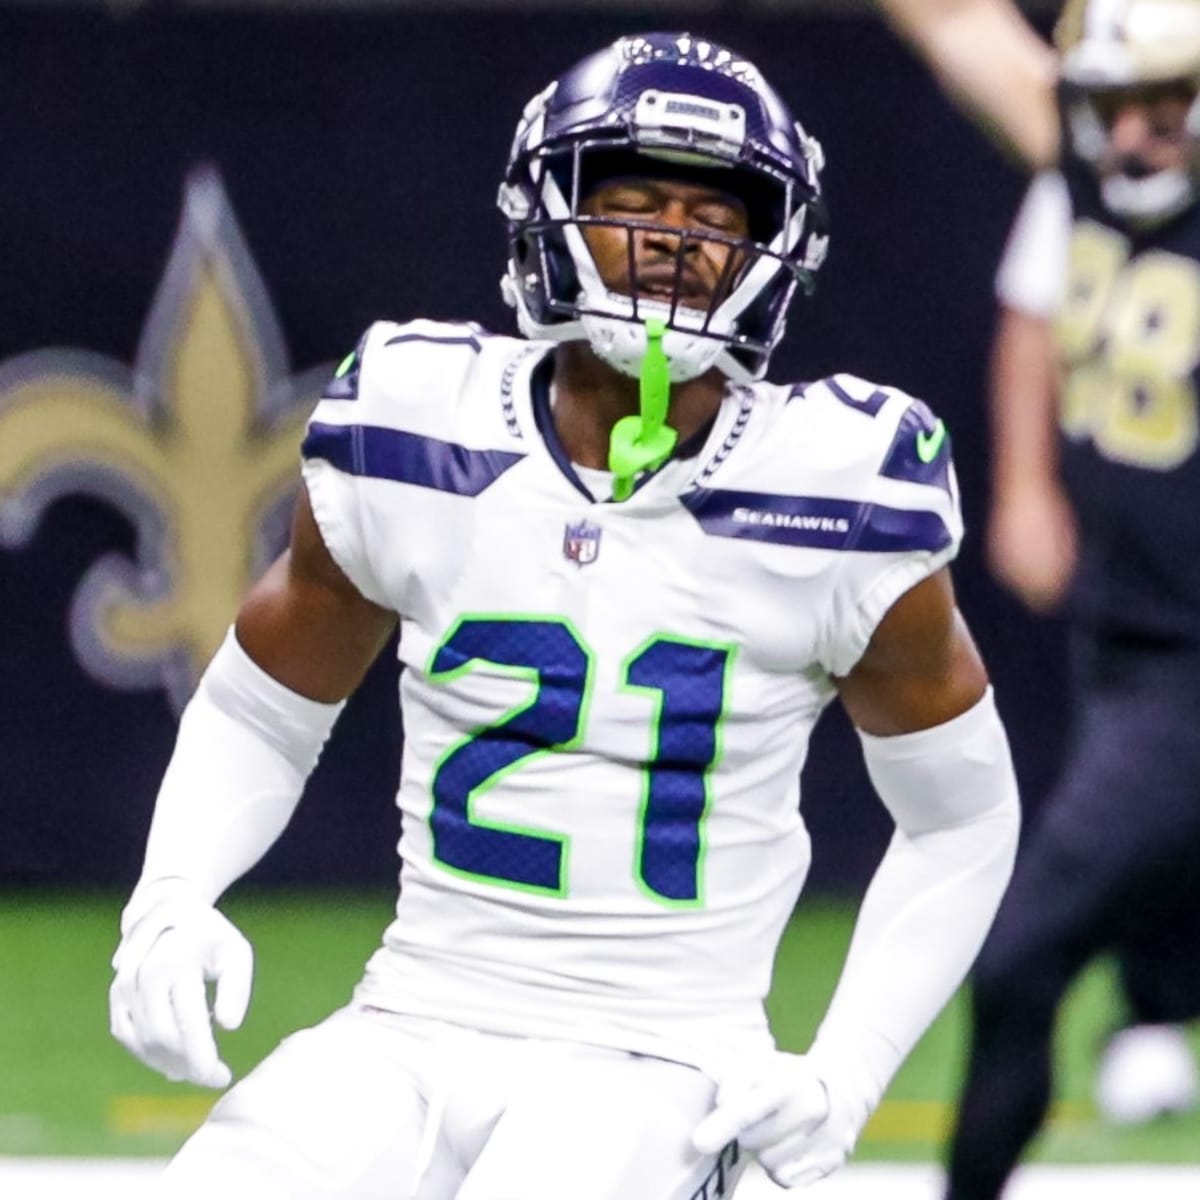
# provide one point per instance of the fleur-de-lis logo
(198, 445)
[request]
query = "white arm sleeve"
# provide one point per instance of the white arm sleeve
(1032, 276)
(953, 794)
(246, 745)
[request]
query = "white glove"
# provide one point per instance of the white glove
(173, 944)
(782, 1113)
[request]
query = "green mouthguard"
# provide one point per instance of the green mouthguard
(644, 442)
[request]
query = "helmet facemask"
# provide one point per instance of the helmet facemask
(553, 279)
(1132, 187)
(742, 319)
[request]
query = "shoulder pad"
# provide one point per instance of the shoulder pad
(918, 444)
(432, 334)
(920, 451)
(860, 395)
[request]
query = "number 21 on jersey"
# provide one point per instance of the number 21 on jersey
(687, 684)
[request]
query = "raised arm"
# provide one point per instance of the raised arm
(992, 63)
(247, 742)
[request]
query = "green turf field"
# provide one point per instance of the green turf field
(67, 1089)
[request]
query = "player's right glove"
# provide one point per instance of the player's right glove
(782, 1112)
(173, 944)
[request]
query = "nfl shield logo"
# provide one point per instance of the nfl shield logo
(581, 543)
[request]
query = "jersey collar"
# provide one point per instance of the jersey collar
(539, 395)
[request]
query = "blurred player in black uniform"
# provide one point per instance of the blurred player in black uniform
(1100, 323)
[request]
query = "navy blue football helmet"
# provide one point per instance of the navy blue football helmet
(662, 105)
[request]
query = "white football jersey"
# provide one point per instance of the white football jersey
(606, 705)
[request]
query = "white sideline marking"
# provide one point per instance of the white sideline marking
(129, 1179)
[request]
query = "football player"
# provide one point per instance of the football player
(628, 576)
(1095, 420)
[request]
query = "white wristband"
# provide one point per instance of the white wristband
(246, 745)
(939, 777)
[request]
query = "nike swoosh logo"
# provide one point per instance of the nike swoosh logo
(929, 445)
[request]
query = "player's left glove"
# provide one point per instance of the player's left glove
(782, 1113)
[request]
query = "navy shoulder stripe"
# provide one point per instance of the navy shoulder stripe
(870, 405)
(818, 522)
(376, 452)
(464, 335)
(920, 451)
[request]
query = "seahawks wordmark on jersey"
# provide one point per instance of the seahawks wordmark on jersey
(607, 705)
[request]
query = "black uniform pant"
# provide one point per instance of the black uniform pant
(1112, 864)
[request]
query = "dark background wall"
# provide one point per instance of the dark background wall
(360, 152)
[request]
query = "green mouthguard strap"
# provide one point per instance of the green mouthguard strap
(644, 441)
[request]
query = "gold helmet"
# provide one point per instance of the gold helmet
(1114, 48)
(1128, 43)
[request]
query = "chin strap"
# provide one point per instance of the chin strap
(644, 442)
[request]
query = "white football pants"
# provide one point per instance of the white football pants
(375, 1106)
